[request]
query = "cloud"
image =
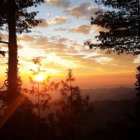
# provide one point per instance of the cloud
(58, 39)
(49, 14)
(137, 59)
(55, 44)
(99, 28)
(91, 55)
(3, 37)
(53, 58)
(82, 29)
(56, 51)
(61, 29)
(54, 21)
(58, 3)
(41, 40)
(57, 20)
(85, 29)
(103, 60)
(26, 38)
(85, 10)
(43, 23)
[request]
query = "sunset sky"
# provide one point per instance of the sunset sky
(59, 42)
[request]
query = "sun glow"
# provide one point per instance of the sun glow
(39, 77)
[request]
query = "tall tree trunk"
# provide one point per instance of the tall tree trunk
(12, 60)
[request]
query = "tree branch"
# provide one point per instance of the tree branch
(4, 42)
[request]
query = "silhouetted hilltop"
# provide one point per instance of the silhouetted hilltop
(110, 118)
(120, 93)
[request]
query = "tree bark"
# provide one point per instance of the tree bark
(12, 91)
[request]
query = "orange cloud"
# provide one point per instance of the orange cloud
(26, 38)
(43, 23)
(82, 29)
(3, 37)
(99, 28)
(85, 29)
(57, 20)
(137, 60)
(103, 60)
(85, 10)
(58, 3)
(54, 21)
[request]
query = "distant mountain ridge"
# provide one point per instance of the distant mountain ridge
(119, 93)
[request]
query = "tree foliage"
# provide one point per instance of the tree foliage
(123, 34)
(16, 17)
(71, 118)
(25, 20)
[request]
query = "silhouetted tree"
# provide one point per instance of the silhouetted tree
(40, 88)
(123, 35)
(138, 81)
(72, 114)
(15, 18)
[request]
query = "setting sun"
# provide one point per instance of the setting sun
(39, 77)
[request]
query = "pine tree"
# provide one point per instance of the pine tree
(123, 34)
(15, 17)
(72, 113)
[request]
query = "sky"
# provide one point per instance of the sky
(59, 42)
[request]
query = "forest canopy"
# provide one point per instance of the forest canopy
(123, 34)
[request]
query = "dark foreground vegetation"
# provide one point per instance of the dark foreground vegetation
(81, 120)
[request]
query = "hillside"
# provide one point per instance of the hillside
(120, 93)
